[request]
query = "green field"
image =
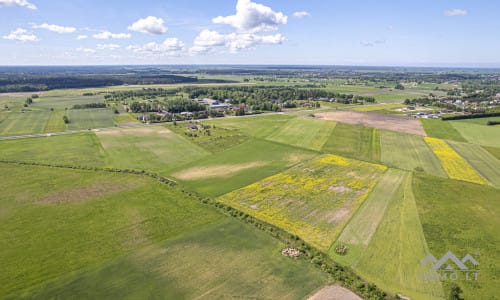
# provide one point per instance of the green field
(82, 149)
(463, 218)
(19, 123)
(479, 134)
(152, 148)
(493, 151)
(58, 221)
(441, 130)
(408, 152)
(259, 126)
(477, 121)
(64, 101)
(354, 141)
(55, 122)
(90, 118)
(304, 132)
(239, 166)
(481, 160)
(221, 261)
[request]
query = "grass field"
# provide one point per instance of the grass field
(221, 261)
(408, 152)
(153, 148)
(65, 100)
(392, 259)
(354, 141)
(124, 119)
(90, 118)
(441, 130)
(477, 121)
(259, 126)
(55, 123)
(83, 149)
(463, 218)
(493, 151)
(304, 132)
(314, 199)
(18, 123)
(481, 160)
(239, 166)
(57, 221)
(479, 134)
(379, 107)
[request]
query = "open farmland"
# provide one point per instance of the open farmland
(90, 118)
(479, 134)
(441, 130)
(307, 200)
(390, 122)
(18, 123)
(259, 126)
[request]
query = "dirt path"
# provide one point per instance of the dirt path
(334, 292)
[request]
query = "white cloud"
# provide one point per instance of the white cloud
(21, 35)
(253, 17)
(455, 12)
(55, 28)
(371, 44)
(301, 14)
(367, 44)
(104, 35)
(85, 50)
(207, 40)
(82, 37)
(23, 3)
(107, 46)
(150, 24)
(171, 47)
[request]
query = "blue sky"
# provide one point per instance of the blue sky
(370, 32)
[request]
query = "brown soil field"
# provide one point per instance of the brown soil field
(389, 122)
(196, 173)
(83, 193)
(334, 292)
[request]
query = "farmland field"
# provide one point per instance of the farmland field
(259, 126)
(18, 123)
(409, 152)
(354, 141)
(55, 123)
(479, 134)
(307, 200)
(493, 151)
(441, 130)
(65, 101)
(90, 118)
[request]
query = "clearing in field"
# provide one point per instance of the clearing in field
(479, 134)
(259, 159)
(90, 118)
(224, 260)
(152, 148)
(463, 218)
(441, 130)
(357, 142)
(334, 292)
(304, 132)
(313, 199)
(481, 160)
(409, 152)
(382, 121)
(454, 165)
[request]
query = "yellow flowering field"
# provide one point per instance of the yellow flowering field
(314, 199)
(455, 166)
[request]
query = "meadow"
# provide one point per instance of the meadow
(479, 134)
(441, 130)
(90, 118)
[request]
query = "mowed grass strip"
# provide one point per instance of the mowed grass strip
(354, 141)
(441, 130)
(358, 233)
(81, 149)
(378, 107)
(90, 118)
(409, 152)
(304, 132)
(313, 200)
(479, 134)
(392, 259)
(481, 160)
(152, 148)
(259, 126)
(19, 123)
(223, 260)
(455, 166)
(55, 123)
(493, 151)
(463, 218)
(55, 221)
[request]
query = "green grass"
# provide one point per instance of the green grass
(304, 132)
(18, 123)
(259, 126)
(479, 134)
(379, 107)
(223, 260)
(65, 100)
(354, 141)
(58, 221)
(152, 148)
(82, 149)
(239, 166)
(124, 118)
(441, 130)
(90, 118)
(481, 160)
(392, 259)
(463, 218)
(409, 152)
(55, 123)
(478, 121)
(493, 151)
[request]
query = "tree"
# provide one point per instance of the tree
(399, 86)
(455, 292)
(29, 101)
(66, 119)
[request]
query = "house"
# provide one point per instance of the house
(192, 126)
(219, 106)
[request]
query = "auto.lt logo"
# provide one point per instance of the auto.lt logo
(449, 267)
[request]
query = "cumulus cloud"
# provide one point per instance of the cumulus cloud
(149, 24)
(455, 12)
(55, 28)
(105, 35)
(82, 37)
(107, 46)
(21, 35)
(171, 47)
(207, 40)
(301, 14)
(23, 3)
(252, 17)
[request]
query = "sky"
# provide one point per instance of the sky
(434, 33)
